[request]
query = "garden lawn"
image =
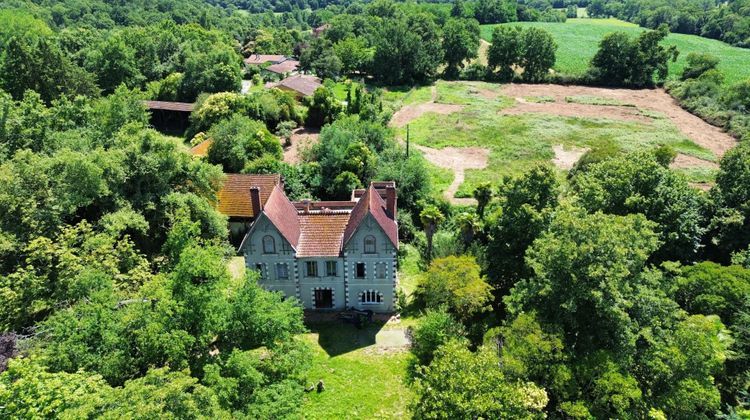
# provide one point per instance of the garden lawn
(361, 381)
(578, 41)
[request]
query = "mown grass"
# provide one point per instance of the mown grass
(595, 100)
(518, 142)
(360, 381)
(441, 179)
(578, 40)
(409, 270)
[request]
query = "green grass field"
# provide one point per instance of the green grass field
(518, 142)
(578, 40)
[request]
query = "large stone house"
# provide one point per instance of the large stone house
(330, 254)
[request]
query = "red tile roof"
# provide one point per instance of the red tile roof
(318, 229)
(372, 203)
(170, 106)
(321, 233)
(264, 58)
(325, 205)
(380, 187)
(234, 196)
(287, 66)
(201, 149)
(281, 212)
(302, 83)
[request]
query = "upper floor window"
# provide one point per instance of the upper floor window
(332, 269)
(261, 269)
(269, 245)
(359, 270)
(369, 244)
(380, 270)
(282, 271)
(311, 268)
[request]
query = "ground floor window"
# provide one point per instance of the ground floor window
(370, 297)
(282, 271)
(322, 298)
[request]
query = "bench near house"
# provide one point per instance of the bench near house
(330, 254)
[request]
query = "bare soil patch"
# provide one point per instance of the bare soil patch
(457, 159)
(565, 159)
(683, 161)
(411, 112)
(301, 138)
(701, 132)
(567, 109)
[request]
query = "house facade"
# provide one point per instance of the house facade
(329, 255)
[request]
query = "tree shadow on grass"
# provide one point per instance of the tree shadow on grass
(337, 337)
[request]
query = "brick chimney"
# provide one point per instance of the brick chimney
(255, 201)
(390, 200)
(306, 203)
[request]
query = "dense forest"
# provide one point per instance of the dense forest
(615, 290)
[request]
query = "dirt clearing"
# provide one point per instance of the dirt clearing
(568, 109)
(694, 128)
(411, 112)
(457, 159)
(565, 159)
(683, 161)
(301, 138)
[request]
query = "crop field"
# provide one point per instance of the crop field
(483, 131)
(578, 40)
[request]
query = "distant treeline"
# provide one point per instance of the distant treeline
(727, 21)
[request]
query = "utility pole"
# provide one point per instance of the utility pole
(407, 140)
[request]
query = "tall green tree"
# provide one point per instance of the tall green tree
(524, 211)
(460, 44)
(537, 54)
(114, 63)
(456, 284)
(593, 265)
(638, 183)
(505, 51)
(637, 62)
(40, 65)
(240, 140)
(407, 50)
(730, 224)
(462, 384)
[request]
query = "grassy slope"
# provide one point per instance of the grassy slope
(518, 142)
(578, 40)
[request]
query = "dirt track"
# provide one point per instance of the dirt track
(458, 159)
(694, 128)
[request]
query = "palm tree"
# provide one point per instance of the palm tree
(483, 195)
(431, 217)
(469, 224)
